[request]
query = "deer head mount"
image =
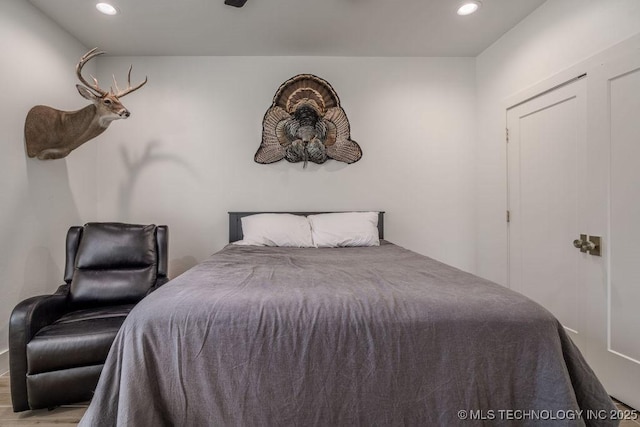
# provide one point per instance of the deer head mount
(53, 134)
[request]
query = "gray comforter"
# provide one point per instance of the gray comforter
(375, 336)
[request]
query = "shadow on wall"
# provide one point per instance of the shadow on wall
(47, 209)
(46, 277)
(180, 265)
(330, 165)
(134, 168)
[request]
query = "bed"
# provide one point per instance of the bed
(349, 336)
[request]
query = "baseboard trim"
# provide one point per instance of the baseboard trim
(4, 362)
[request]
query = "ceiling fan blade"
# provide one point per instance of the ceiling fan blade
(235, 3)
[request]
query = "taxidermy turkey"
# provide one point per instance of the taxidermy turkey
(306, 123)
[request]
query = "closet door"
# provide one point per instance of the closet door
(547, 200)
(574, 200)
(614, 166)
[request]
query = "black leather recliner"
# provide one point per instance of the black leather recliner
(58, 343)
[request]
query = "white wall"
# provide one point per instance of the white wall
(432, 132)
(185, 157)
(38, 200)
(559, 34)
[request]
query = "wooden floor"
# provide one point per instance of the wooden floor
(59, 417)
(70, 415)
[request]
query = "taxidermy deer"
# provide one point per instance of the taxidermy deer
(53, 134)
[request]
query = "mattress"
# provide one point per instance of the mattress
(264, 336)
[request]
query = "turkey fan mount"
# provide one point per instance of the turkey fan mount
(305, 123)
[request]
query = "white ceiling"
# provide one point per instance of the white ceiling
(288, 27)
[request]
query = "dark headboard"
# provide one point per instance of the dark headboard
(235, 225)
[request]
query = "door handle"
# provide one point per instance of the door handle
(588, 244)
(578, 242)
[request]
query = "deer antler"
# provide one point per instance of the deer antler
(86, 58)
(95, 87)
(129, 89)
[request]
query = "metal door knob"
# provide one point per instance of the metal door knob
(588, 246)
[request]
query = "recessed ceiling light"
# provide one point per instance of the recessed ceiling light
(469, 7)
(106, 8)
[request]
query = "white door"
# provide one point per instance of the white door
(547, 198)
(614, 169)
(574, 168)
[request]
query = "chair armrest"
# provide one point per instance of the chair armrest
(27, 318)
(34, 313)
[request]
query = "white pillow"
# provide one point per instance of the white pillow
(276, 230)
(333, 230)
